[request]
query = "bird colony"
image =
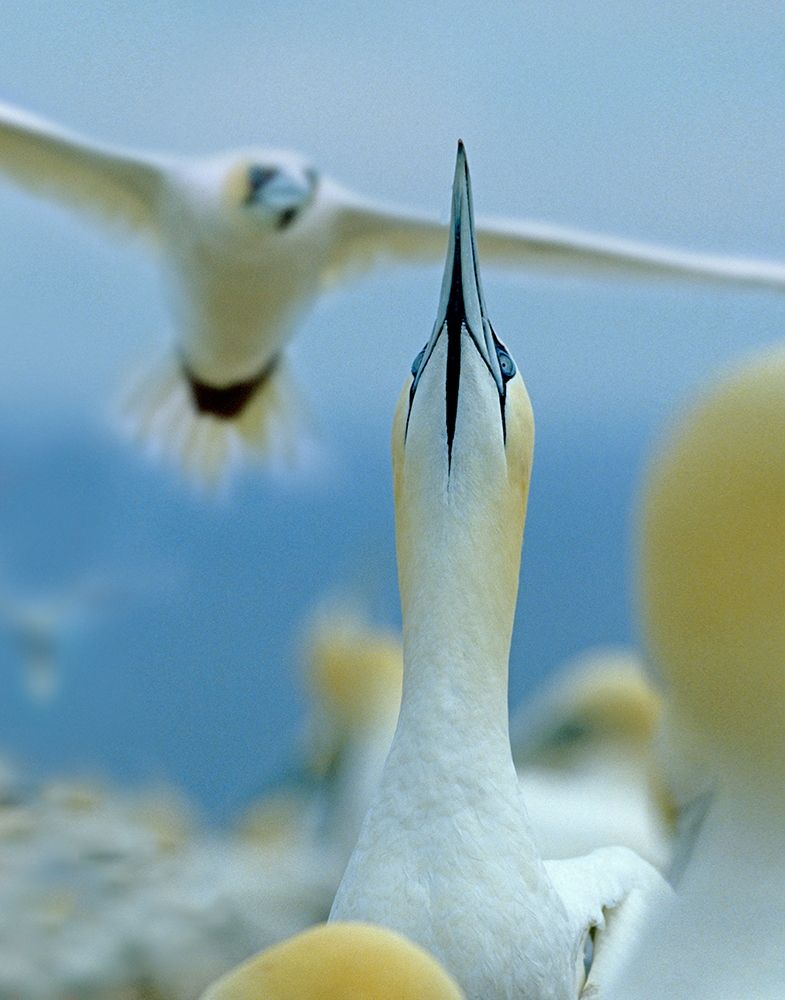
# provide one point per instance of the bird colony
(620, 836)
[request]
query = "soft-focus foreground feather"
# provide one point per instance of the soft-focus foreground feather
(350, 961)
(712, 599)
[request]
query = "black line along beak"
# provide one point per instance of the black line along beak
(462, 304)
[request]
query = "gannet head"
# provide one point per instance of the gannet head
(339, 961)
(601, 703)
(269, 190)
(712, 569)
(353, 677)
(463, 439)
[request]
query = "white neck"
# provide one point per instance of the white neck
(455, 691)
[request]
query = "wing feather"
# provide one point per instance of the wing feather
(48, 160)
(368, 234)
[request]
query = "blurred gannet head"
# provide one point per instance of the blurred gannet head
(463, 440)
(353, 674)
(353, 668)
(601, 703)
(712, 572)
(339, 961)
(271, 188)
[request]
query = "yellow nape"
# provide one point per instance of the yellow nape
(713, 564)
(353, 669)
(339, 961)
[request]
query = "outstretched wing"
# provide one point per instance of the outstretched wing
(48, 160)
(611, 893)
(368, 234)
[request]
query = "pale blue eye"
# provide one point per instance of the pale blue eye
(506, 364)
(417, 362)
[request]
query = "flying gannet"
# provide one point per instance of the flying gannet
(247, 241)
(345, 961)
(712, 596)
(446, 854)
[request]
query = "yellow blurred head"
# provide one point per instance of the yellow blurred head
(339, 961)
(601, 702)
(353, 669)
(712, 565)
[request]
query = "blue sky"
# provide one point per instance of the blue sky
(659, 121)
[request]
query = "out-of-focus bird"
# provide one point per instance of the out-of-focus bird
(353, 677)
(712, 596)
(584, 751)
(247, 241)
(109, 894)
(446, 853)
(42, 628)
(338, 961)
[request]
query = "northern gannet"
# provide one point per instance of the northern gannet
(584, 750)
(346, 961)
(446, 854)
(247, 241)
(353, 678)
(712, 601)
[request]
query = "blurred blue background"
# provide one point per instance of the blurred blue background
(660, 121)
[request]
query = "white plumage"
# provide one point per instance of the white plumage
(446, 854)
(247, 241)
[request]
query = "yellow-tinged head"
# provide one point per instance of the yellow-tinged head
(339, 961)
(463, 440)
(712, 574)
(353, 669)
(269, 187)
(601, 702)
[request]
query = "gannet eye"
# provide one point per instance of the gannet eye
(506, 364)
(417, 362)
(568, 734)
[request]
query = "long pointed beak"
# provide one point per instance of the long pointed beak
(286, 191)
(462, 304)
(461, 295)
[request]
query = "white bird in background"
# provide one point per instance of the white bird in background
(713, 609)
(43, 627)
(350, 961)
(446, 854)
(248, 240)
(584, 751)
(353, 678)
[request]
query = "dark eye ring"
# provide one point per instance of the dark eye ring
(506, 364)
(417, 362)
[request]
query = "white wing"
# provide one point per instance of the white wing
(614, 891)
(48, 160)
(368, 234)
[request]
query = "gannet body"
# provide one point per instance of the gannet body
(583, 748)
(712, 593)
(339, 962)
(446, 854)
(248, 240)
